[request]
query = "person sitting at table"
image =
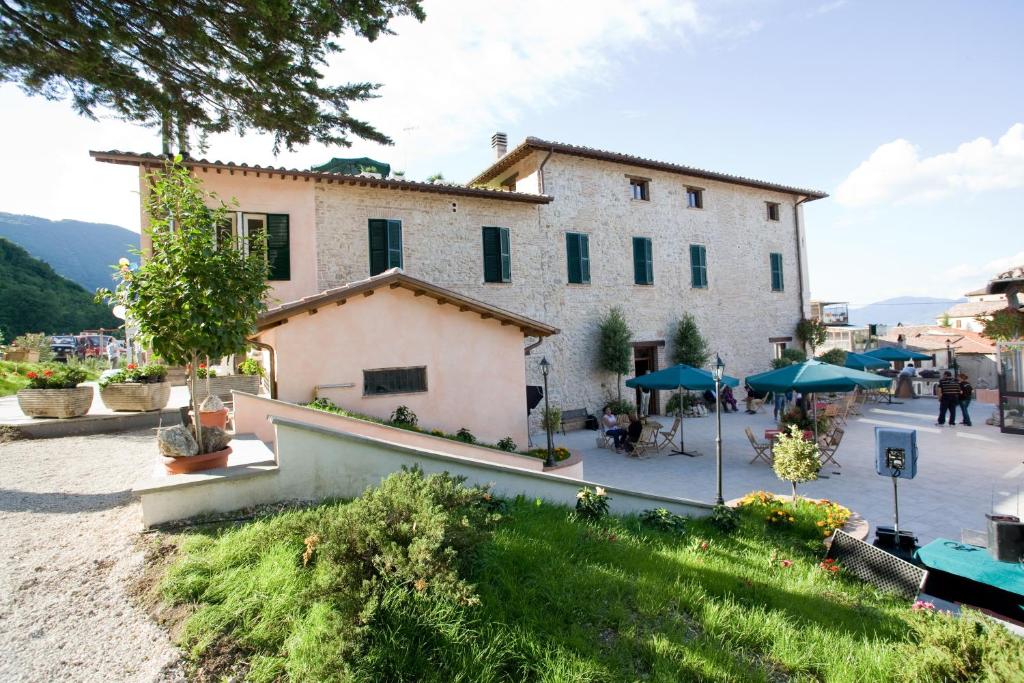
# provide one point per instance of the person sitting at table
(633, 431)
(729, 400)
(612, 429)
(751, 397)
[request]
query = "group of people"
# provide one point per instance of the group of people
(954, 392)
(624, 439)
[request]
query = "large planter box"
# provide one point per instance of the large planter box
(136, 396)
(22, 356)
(221, 387)
(55, 402)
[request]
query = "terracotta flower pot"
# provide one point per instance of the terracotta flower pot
(214, 418)
(197, 463)
(55, 402)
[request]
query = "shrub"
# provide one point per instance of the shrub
(151, 373)
(507, 444)
(967, 647)
(811, 333)
(551, 419)
(465, 435)
(688, 345)
(621, 406)
(789, 357)
(35, 341)
(833, 356)
(250, 366)
(614, 352)
(795, 460)
(591, 504)
(797, 417)
(689, 401)
(55, 377)
(404, 416)
(202, 372)
(725, 519)
(663, 520)
(560, 453)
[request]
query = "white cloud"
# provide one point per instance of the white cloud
(984, 272)
(896, 172)
(825, 8)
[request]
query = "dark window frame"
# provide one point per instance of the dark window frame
(777, 272)
(699, 268)
(774, 211)
(416, 376)
(694, 198)
(643, 261)
(393, 248)
(641, 187)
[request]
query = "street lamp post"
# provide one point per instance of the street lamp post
(718, 371)
(545, 367)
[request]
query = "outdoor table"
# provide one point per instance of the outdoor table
(773, 434)
(657, 424)
(967, 573)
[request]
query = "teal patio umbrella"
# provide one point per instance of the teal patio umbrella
(895, 353)
(813, 376)
(860, 361)
(679, 377)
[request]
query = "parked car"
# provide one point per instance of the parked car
(63, 346)
(92, 345)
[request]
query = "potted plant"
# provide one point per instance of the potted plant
(795, 459)
(223, 285)
(136, 389)
(54, 392)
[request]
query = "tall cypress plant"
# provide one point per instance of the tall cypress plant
(688, 345)
(191, 298)
(615, 351)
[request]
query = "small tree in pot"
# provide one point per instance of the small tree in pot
(194, 296)
(795, 459)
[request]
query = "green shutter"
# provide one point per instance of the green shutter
(643, 261)
(394, 244)
(492, 255)
(778, 282)
(505, 244)
(698, 266)
(585, 259)
(279, 259)
(572, 256)
(378, 246)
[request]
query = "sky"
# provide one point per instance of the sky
(909, 114)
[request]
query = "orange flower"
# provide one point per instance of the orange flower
(31, 375)
(47, 373)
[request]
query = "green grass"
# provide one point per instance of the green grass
(12, 375)
(561, 600)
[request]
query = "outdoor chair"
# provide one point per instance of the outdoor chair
(670, 435)
(828, 445)
(648, 441)
(604, 440)
(762, 449)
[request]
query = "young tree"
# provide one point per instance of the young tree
(1005, 325)
(615, 351)
(811, 333)
(688, 345)
(205, 65)
(192, 298)
(795, 459)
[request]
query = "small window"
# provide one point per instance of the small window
(497, 259)
(643, 261)
(577, 251)
(778, 284)
(773, 211)
(694, 198)
(385, 245)
(698, 266)
(394, 381)
(641, 189)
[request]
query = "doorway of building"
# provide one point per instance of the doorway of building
(645, 360)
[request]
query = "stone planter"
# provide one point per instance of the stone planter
(136, 396)
(197, 463)
(221, 387)
(55, 402)
(22, 356)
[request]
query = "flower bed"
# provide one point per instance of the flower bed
(807, 518)
(54, 392)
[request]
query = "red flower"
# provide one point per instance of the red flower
(47, 373)
(132, 366)
(202, 366)
(31, 375)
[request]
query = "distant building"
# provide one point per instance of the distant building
(841, 334)
(1002, 291)
(970, 352)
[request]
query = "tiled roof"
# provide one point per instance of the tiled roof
(931, 338)
(970, 309)
(393, 279)
(155, 160)
(532, 144)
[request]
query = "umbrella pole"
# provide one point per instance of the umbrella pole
(682, 430)
(814, 411)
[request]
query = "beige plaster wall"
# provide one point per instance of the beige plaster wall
(475, 367)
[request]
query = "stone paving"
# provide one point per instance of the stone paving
(963, 472)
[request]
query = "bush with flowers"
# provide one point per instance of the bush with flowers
(151, 373)
(806, 518)
(591, 504)
(55, 377)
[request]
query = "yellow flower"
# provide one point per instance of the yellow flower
(820, 523)
(791, 519)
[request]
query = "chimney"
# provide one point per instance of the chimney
(499, 141)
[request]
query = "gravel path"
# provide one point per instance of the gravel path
(68, 529)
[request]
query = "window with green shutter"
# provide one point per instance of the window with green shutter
(385, 245)
(279, 256)
(497, 255)
(577, 250)
(643, 261)
(777, 280)
(698, 266)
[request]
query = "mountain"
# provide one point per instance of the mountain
(909, 310)
(80, 251)
(33, 298)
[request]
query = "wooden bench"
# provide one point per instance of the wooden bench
(575, 419)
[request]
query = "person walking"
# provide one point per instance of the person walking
(966, 394)
(949, 398)
(113, 352)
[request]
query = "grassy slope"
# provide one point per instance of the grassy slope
(565, 601)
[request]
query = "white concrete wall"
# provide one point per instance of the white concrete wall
(316, 463)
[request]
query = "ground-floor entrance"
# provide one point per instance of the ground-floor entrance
(645, 360)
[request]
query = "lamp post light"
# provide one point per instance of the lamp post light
(545, 368)
(717, 372)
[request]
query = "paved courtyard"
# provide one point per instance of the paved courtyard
(963, 472)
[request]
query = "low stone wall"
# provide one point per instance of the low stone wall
(316, 462)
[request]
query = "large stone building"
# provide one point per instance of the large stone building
(554, 232)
